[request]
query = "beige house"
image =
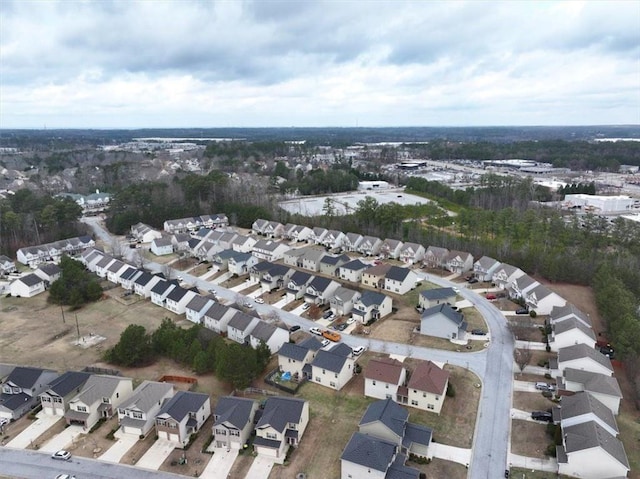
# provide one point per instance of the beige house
(99, 398)
(374, 277)
(427, 387)
(383, 378)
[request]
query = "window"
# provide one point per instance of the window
(437, 398)
(323, 371)
(424, 395)
(221, 432)
(414, 402)
(271, 435)
(335, 375)
(106, 400)
(430, 406)
(136, 415)
(234, 432)
(318, 380)
(386, 386)
(81, 408)
(332, 384)
(374, 382)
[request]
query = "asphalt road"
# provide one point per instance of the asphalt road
(494, 366)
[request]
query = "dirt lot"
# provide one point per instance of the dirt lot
(529, 439)
(530, 401)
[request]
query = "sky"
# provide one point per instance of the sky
(269, 63)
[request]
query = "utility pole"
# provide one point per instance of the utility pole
(77, 328)
(62, 311)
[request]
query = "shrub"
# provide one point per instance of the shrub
(100, 422)
(548, 348)
(111, 433)
(547, 376)
(533, 314)
(451, 392)
(551, 450)
(207, 443)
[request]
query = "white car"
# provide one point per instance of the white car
(305, 306)
(351, 320)
(325, 343)
(316, 331)
(61, 455)
(65, 476)
(259, 300)
(358, 351)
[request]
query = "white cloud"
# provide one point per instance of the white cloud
(282, 63)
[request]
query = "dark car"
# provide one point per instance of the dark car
(477, 332)
(542, 416)
(522, 311)
(608, 351)
(506, 473)
(293, 328)
(342, 327)
(473, 280)
(327, 314)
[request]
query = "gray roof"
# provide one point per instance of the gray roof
(416, 434)
(355, 265)
(345, 294)
(588, 435)
(234, 410)
(177, 293)
(116, 266)
(329, 361)
(217, 311)
(161, 286)
(147, 395)
(594, 382)
(437, 293)
(333, 260)
(569, 309)
(540, 291)
(300, 277)
(388, 413)
(311, 343)
(398, 470)
(241, 321)
(508, 269)
(369, 452)
(582, 403)
(129, 273)
(164, 241)
(67, 382)
(525, 281)
(397, 273)
(262, 266)
(30, 279)
(320, 283)
(353, 237)
(278, 270)
(104, 262)
(263, 331)
(267, 245)
(50, 269)
(198, 302)
(486, 263)
(341, 349)
(97, 387)
(182, 404)
(225, 254)
(280, 411)
(239, 256)
(578, 351)
(438, 251)
(573, 323)
(143, 279)
(25, 377)
(370, 298)
(447, 311)
(293, 351)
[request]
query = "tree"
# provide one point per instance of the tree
(522, 357)
(237, 365)
(75, 287)
(133, 349)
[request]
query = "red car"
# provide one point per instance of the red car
(491, 296)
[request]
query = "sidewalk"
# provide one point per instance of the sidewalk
(450, 453)
(546, 465)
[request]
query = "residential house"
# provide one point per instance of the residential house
(374, 277)
(240, 326)
(299, 233)
(320, 290)
(273, 229)
(183, 415)
(258, 226)
(128, 276)
(601, 386)
(581, 356)
(90, 257)
(220, 260)
(412, 253)
(27, 286)
(34, 255)
(241, 263)
(385, 378)
(103, 265)
(389, 421)
(521, 286)
(48, 272)
(589, 451)
(162, 246)
(258, 270)
(269, 250)
(400, 280)
(583, 407)
(352, 271)
(570, 332)
(458, 262)
(293, 256)
(99, 398)
(55, 400)
(370, 246)
(391, 248)
(178, 298)
(143, 284)
(217, 317)
(427, 387)
(243, 244)
(374, 458)
(311, 259)
(183, 225)
(281, 425)
(371, 306)
(485, 267)
(233, 422)
(268, 334)
(276, 278)
(137, 414)
(542, 300)
(317, 235)
(115, 269)
(297, 285)
(144, 233)
(435, 257)
(329, 264)
(343, 300)
(180, 241)
(333, 368)
(436, 296)
(160, 291)
(351, 242)
(197, 307)
(293, 358)
(441, 321)
(21, 388)
(505, 275)
(569, 311)
(216, 221)
(7, 265)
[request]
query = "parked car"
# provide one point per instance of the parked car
(542, 416)
(608, 351)
(478, 332)
(259, 300)
(351, 320)
(358, 351)
(325, 343)
(306, 306)
(522, 311)
(545, 387)
(328, 314)
(342, 326)
(180, 278)
(61, 455)
(316, 331)
(473, 280)
(294, 328)
(491, 296)
(247, 304)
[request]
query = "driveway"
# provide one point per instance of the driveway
(35, 430)
(261, 468)
(62, 440)
(220, 464)
(156, 454)
(525, 386)
(522, 415)
(547, 465)
(450, 453)
(222, 278)
(120, 447)
(534, 346)
(283, 302)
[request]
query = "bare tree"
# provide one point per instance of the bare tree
(167, 271)
(138, 259)
(117, 250)
(271, 316)
(522, 357)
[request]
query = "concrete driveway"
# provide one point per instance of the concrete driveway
(156, 454)
(35, 430)
(220, 464)
(62, 440)
(450, 453)
(261, 468)
(547, 465)
(525, 386)
(120, 447)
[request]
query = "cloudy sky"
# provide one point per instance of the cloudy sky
(183, 63)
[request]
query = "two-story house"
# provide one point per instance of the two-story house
(569, 311)
(505, 275)
(374, 277)
(371, 306)
(7, 265)
(144, 283)
(299, 233)
(343, 299)
(276, 278)
(581, 356)
(27, 286)
(333, 239)
(197, 307)
(281, 425)
(333, 368)
(293, 358)
(436, 296)
(435, 257)
(115, 269)
(374, 458)
(99, 398)
(55, 400)
(484, 268)
(144, 233)
(49, 272)
(400, 280)
(391, 248)
(233, 422)
(351, 242)
(320, 290)
(297, 285)
(243, 244)
(183, 415)
(178, 298)
(352, 271)
(310, 259)
(542, 300)
(583, 407)
(521, 285)
(217, 317)
(162, 246)
(21, 390)
(241, 263)
(258, 226)
(269, 250)
(160, 291)
(128, 276)
(370, 246)
(603, 387)
(137, 415)
(329, 264)
(570, 332)
(427, 387)
(412, 253)
(385, 378)
(240, 326)
(458, 262)
(441, 321)
(268, 334)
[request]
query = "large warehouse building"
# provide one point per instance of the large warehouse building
(604, 204)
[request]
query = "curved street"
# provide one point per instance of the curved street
(494, 365)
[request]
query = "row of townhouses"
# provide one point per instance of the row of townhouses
(32, 256)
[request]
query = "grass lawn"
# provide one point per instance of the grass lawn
(529, 439)
(519, 473)
(474, 319)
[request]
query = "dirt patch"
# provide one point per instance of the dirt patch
(529, 439)
(192, 461)
(95, 443)
(442, 469)
(134, 454)
(530, 401)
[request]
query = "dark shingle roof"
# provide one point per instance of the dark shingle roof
(177, 293)
(369, 452)
(447, 311)
(329, 361)
(588, 435)
(280, 411)
(437, 293)
(372, 298)
(182, 404)
(49, 269)
(24, 377)
(355, 265)
(388, 413)
(67, 382)
(217, 311)
(234, 410)
(300, 277)
(161, 286)
(416, 434)
(198, 302)
(396, 273)
(31, 279)
(320, 283)
(293, 351)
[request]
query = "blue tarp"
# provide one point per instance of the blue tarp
(286, 376)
